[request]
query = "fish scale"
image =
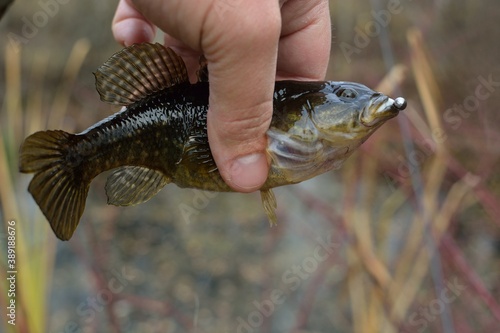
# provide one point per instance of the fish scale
(160, 136)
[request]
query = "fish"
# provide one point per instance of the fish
(160, 136)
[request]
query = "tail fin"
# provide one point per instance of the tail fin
(57, 187)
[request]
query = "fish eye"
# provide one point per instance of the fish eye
(347, 93)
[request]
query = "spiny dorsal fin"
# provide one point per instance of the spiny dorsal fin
(203, 70)
(131, 185)
(138, 71)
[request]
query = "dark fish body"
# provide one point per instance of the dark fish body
(161, 136)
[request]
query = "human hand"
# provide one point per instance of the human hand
(248, 45)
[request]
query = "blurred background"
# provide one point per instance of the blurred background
(404, 238)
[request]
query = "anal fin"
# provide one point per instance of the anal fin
(269, 203)
(131, 185)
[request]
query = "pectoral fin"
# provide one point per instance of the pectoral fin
(197, 152)
(131, 185)
(269, 203)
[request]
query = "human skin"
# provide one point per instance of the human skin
(248, 45)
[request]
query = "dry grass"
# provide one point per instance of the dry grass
(35, 252)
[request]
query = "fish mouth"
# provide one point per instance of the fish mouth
(381, 108)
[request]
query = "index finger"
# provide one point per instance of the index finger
(129, 26)
(304, 49)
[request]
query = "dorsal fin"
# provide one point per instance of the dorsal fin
(203, 70)
(138, 71)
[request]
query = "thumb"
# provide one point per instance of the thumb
(242, 67)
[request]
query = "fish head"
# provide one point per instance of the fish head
(352, 111)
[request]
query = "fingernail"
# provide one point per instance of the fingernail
(249, 172)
